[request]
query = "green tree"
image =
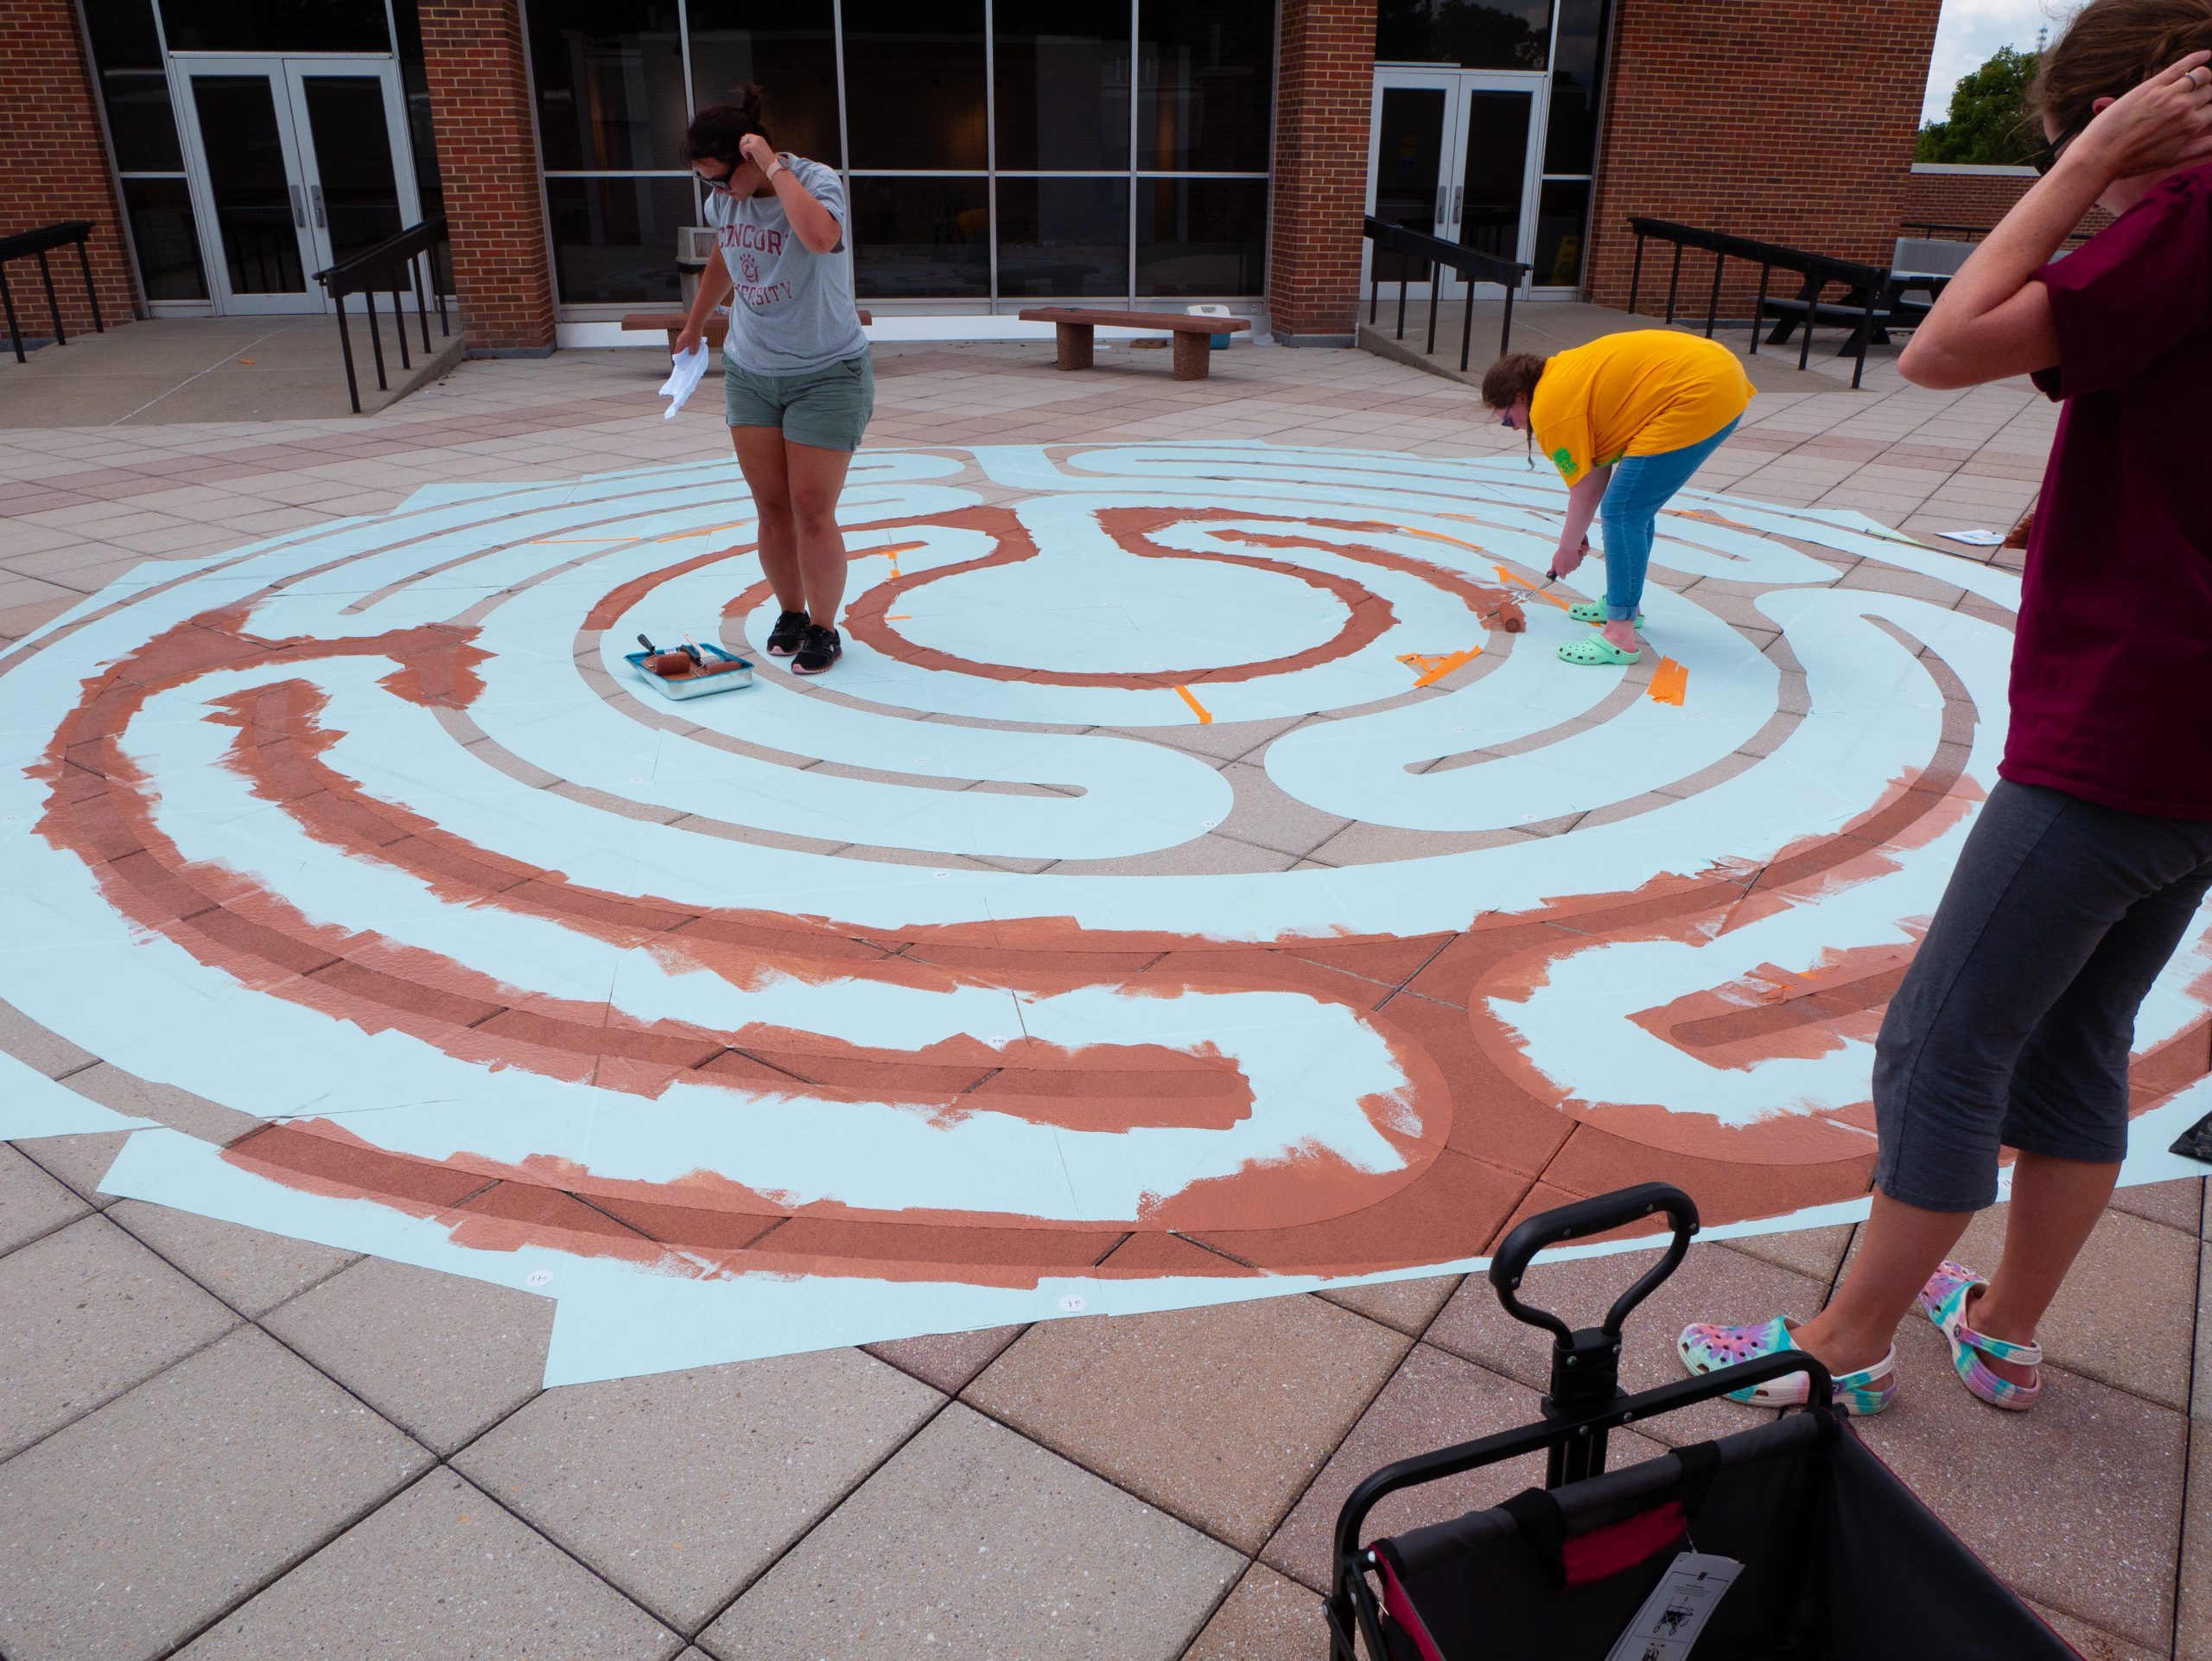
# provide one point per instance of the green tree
(1988, 120)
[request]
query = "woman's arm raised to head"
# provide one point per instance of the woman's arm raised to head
(1994, 319)
(813, 224)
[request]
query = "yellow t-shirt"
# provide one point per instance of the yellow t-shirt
(1642, 394)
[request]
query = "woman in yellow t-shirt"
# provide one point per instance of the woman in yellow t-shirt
(1626, 420)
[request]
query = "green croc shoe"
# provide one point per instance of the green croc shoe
(1596, 652)
(1593, 612)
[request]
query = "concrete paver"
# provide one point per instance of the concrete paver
(31, 1202)
(2193, 1618)
(1170, 1406)
(1266, 1618)
(251, 1271)
(681, 1487)
(975, 1542)
(443, 1571)
(442, 1356)
(127, 1531)
(89, 1312)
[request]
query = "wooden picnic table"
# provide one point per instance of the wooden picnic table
(1072, 327)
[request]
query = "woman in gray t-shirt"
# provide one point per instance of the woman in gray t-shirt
(796, 375)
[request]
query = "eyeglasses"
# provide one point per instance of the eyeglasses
(720, 185)
(2047, 157)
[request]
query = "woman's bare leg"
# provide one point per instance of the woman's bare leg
(761, 457)
(816, 479)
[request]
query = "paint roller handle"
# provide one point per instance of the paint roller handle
(1578, 1221)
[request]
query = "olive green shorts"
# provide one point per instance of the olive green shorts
(827, 407)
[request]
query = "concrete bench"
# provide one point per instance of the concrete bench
(670, 323)
(1072, 327)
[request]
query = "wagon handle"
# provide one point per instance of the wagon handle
(1580, 1220)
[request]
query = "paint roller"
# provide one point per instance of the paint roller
(681, 663)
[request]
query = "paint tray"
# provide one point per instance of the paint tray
(696, 686)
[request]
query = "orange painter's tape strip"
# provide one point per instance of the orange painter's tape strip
(1513, 580)
(1435, 669)
(1670, 681)
(1205, 715)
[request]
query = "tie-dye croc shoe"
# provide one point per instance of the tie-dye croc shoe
(1706, 1349)
(1943, 1300)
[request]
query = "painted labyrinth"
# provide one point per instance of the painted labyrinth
(1184, 890)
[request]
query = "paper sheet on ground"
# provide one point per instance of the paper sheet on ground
(683, 379)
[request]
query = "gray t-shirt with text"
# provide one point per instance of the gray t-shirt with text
(792, 311)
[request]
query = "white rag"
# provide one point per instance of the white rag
(683, 379)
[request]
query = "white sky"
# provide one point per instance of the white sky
(1972, 29)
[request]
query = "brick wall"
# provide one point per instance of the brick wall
(1977, 198)
(1725, 114)
(479, 111)
(1325, 82)
(57, 166)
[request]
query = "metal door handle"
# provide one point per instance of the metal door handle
(299, 210)
(316, 192)
(1443, 196)
(1459, 203)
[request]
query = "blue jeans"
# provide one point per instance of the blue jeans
(1641, 485)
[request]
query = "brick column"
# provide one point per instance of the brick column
(1325, 82)
(57, 168)
(1718, 115)
(487, 156)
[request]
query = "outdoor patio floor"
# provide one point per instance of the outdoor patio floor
(218, 1442)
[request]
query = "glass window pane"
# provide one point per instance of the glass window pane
(1495, 171)
(609, 79)
(1063, 69)
(614, 239)
(790, 51)
(1501, 35)
(1205, 82)
(168, 243)
(252, 189)
(1578, 68)
(921, 237)
(1561, 219)
(140, 121)
(1201, 236)
(122, 33)
(1408, 167)
(1064, 237)
(915, 91)
(276, 25)
(352, 160)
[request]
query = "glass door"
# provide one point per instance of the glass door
(1412, 146)
(1495, 188)
(297, 163)
(1453, 153)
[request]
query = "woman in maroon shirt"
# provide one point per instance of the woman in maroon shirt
(2092, 855)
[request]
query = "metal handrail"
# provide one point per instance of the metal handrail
(1472, 263)
(1872, 283)
(25, 243)
(378, 271)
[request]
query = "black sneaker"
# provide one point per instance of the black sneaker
(822, 649)
(788, 635)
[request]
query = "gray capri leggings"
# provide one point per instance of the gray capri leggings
(2014, 1024)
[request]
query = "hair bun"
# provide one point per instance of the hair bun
(749, 97)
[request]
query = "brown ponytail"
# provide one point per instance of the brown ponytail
(717, 131)
(2110, 46)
